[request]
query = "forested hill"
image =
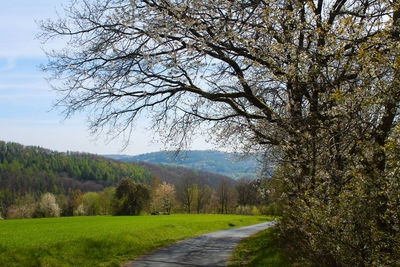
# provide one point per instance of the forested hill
(174, 174)
(34, 170)
(210, 161)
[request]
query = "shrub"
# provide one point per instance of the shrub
(23, 209)
(47, 206)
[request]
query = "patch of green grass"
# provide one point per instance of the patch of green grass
(260, 249)
(101, 240)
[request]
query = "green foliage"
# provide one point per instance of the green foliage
(101, 240)
(106, 200)
(35, 171)
(131, 198)
(90, 202)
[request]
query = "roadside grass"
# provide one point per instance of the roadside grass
(260, 249)
(102, 240)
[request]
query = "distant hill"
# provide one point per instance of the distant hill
(34, 170)
(174, 174)
(210, 161)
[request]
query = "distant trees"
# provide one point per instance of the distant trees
(90, 203)
(186, 193)
(27, 174)
(226, 196)
(35, 171)
(106, 201)
(204, 195)
(131, 198)
(247, 193)
(74, 202)
(244, 196)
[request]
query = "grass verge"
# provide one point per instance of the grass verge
(260, 249)
(101, 240)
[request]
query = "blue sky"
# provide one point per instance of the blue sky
(26, 99)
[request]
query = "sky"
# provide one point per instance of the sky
(27, 115)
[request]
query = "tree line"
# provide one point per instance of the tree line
(157, 197)
(35, 181)
(29, 170)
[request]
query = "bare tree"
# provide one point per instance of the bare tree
(225, 195)
(203, 197)
(247, 192)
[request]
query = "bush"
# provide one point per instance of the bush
(47, 207)
(23, 209)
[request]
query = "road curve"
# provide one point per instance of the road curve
(212, 249)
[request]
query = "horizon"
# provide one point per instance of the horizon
(113, 154)
(120, 152)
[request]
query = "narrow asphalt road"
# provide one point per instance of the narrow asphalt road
(212, 249)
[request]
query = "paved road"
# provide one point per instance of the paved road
(212, 249)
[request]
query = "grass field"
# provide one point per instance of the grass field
(101, 240)
(260, 249)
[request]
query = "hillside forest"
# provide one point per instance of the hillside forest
(37, 182)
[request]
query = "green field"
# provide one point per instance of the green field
(101, 240)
